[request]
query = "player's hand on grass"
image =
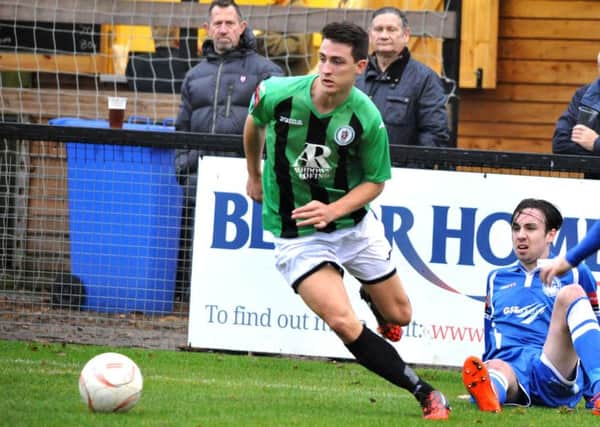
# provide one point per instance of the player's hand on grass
(314, 213)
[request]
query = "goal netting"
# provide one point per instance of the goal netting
(62, 58)
(87, 209)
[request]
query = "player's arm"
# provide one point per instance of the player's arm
(254, 141)
(587, 246)
(559, 265)
(556, 267)
(320, 214)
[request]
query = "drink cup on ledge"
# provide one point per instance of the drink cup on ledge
(116, 111)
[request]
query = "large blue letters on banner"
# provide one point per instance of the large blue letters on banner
(230, 214)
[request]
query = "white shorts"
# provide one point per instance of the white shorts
(363, 250)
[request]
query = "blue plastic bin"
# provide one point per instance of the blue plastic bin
(124, 221)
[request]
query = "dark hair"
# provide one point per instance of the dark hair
(224, 3)
(394, 11)
(553, 216)
(350, 34)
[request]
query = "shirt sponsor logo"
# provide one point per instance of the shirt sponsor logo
(312, 162)
(344, 135)
(528, 314)
(291, 121)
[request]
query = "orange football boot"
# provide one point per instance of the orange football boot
(477, 382)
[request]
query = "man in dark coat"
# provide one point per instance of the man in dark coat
(409, 94)
(577, 131)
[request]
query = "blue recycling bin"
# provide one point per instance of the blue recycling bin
(124, 221)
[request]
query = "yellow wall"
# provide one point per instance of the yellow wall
(123, 39)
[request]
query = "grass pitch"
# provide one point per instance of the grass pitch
(39, 387)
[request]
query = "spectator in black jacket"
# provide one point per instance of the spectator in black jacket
(215, 96)
(578, 129)
(408, 93)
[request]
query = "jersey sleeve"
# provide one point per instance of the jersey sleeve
(259, 105)
(587, 246)
(375, 151)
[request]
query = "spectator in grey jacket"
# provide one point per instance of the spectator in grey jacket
(408, 93)
(216, 93)
(215, 96)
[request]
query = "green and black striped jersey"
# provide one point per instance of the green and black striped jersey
(314, 156)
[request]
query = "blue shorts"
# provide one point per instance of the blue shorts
(547, 387)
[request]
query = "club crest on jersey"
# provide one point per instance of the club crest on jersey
(344, 135)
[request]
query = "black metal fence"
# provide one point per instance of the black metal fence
(92, 220)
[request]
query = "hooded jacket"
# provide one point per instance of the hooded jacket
(216, 93)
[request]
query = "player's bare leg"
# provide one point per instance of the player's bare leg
(324, 292)
(558, 347)
(390, 305)
(573, 335)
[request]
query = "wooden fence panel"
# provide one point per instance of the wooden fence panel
(550, 9)
(548, 29)
(546, 50)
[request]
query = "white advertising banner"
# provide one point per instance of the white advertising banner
(448, 230)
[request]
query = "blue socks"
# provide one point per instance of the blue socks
(500, 385)
(585, 334)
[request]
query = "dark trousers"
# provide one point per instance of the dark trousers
(186, 239)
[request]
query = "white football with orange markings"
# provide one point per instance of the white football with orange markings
(110, 382)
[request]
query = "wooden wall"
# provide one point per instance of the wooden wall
(546, 49)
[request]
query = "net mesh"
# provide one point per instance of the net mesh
(63, 58)
(71, 216)
(88, 233)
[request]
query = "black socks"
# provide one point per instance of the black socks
(380, 357)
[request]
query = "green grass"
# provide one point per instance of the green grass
(38, 384)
